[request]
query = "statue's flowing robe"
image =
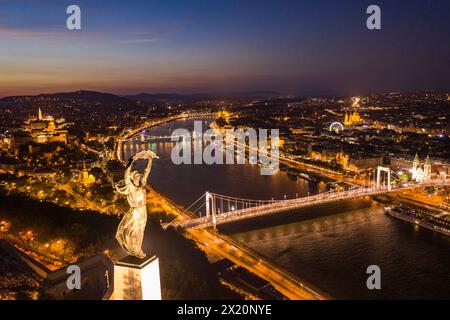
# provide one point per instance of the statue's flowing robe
(130, 232)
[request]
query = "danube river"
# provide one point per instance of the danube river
(329, 246)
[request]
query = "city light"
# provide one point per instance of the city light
(322, 164)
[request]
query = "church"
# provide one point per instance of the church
(421, 173)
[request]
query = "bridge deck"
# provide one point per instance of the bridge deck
(291, 204)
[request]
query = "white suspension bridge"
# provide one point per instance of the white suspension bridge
(220, 209)
(148, 138)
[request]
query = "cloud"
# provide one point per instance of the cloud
(122, 37)
(137, 41)
(8, 32)
(49, 35)
(143, 36)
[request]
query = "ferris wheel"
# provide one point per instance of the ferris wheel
(336, 127)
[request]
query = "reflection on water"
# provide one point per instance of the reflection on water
(185, 183)
(332, 251)
(329, 246)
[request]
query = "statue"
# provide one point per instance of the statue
(130, 232)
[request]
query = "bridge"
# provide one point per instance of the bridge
(221, 209)
(138, 135)
(127, 134)
(143, 138)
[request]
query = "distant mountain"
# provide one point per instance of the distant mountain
(70, 104)
(171, 97)
(85, 95)
(156, 97)
(102, 97)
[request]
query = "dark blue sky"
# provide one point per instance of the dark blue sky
(306, 47)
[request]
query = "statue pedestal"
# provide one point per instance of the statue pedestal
(137, 279)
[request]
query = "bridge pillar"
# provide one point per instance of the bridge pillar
(208, 202)
(389, 181)
(214, 221)
(388, 171)
(213, 207)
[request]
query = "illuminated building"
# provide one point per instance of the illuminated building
(353, 118)
(5, 141)
(421, 174)
(44, 129)
(342, 158)
(351, 162)
(40, 114)
(223, 114)
(8, 166)
(86, 178)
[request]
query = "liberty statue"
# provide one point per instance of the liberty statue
(130, 232)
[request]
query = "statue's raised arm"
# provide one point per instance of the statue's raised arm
(149, 155)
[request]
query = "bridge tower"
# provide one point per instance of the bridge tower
(388, 171)
(211, 209)
(427, 168)
(208, 204)
(416, 164)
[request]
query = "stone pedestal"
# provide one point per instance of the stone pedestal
(137, 279)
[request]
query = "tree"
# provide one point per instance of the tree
(430, 190)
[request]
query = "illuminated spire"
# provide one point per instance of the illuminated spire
(39, 114)
(427, 168)
(356, 101)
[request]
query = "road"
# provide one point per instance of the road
(289, 285)
(88, 203)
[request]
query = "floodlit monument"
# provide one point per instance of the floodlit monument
(136, 277)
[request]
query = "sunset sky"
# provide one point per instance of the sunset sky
(301, 47)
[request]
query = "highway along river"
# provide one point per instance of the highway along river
(330, 246)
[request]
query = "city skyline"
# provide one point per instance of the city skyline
(241, 153)
(312, 49)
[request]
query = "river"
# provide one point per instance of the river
(329, 246)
